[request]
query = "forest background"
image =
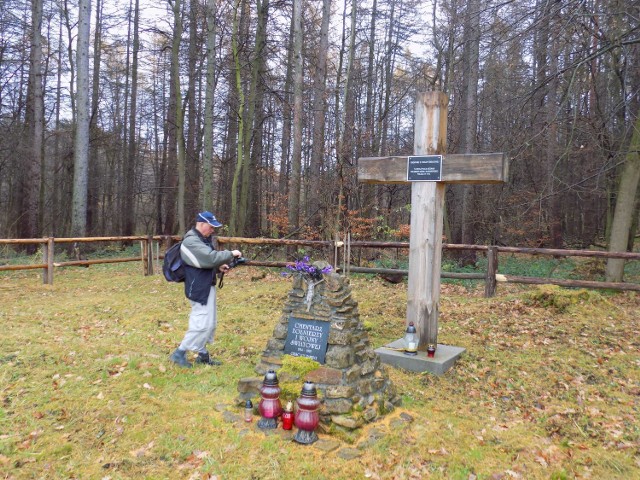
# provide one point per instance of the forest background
(127, 117)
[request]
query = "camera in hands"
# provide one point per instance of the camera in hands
(237, 261)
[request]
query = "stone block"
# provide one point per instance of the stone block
(352, 374)
(326, 375)
(347, 421)
(339, 356)
(345, 309)
(340, 300)
(367, 367)
(389, 406)
(337, 405)
(445, 358)
(320, 310)
(338, 325)
(361, 341)
(326, 445)
(365, 387)
(250, 384)
(333, 282)
(275, 344)
(340, 391)
(340, 338)
(378, 383)
(280, 331)
(273, 359)
(231, 417)
(349, 453)
(370, 414)
(268, 363)
(297, 293)
(243, 397)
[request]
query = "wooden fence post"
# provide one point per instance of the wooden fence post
(150, 269)
(492, 268)
(337, 245)
(143, 255)
(47, 256)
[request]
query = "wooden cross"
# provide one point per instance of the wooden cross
(427, 202)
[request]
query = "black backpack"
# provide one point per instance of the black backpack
(172, 266)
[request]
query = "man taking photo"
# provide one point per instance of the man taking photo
(202, 263)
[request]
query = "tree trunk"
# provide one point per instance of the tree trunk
(296, 154)
(207, 193)
(35, 128)
(253, 141)
(81, 143)
(235, 222)
(551, 137)
(191, 145)
(130, 170)
(345, 144)
(72, 65)
(56, 228)
(173, 133)
(285, 148)
(625, 204)
(389, 66)
(319, 106)
(94, 180)
(469, 121)
(179, 119)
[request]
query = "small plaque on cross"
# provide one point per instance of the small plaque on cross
(424, 168)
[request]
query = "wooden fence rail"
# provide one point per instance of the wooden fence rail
(491, 276)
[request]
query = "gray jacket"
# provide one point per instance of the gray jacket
(202, 262)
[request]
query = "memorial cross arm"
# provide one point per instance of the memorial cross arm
(470, 168)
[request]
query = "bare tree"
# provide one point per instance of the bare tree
(129, 212)
(81, 143)
(296, 154)
(625, 206)
(469, 118)
(207, 193)
(319, 107)
(35, 128)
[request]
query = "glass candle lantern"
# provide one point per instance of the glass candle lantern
(411, 340)
(269, 407)
(431, 350)
(287, 417)
(248, 411)
(307, 415)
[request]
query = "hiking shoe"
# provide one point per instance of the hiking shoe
(179, 357)
(206, 359)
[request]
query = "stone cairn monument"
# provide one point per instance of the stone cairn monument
(320, 320)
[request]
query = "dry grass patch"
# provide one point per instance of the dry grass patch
(548, 388)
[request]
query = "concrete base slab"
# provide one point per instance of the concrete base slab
(444, 359)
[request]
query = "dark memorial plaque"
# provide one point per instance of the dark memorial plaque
(424, 168)
(307, 338)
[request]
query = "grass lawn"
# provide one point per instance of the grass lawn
(549, 386)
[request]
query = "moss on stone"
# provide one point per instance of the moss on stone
(294, 370)
(298, 367)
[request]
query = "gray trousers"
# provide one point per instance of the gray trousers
(202, 324)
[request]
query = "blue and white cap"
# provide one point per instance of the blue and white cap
(208, 217)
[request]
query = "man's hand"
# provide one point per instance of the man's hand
(225, 268)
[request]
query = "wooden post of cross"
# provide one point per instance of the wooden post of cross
(428, 171)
